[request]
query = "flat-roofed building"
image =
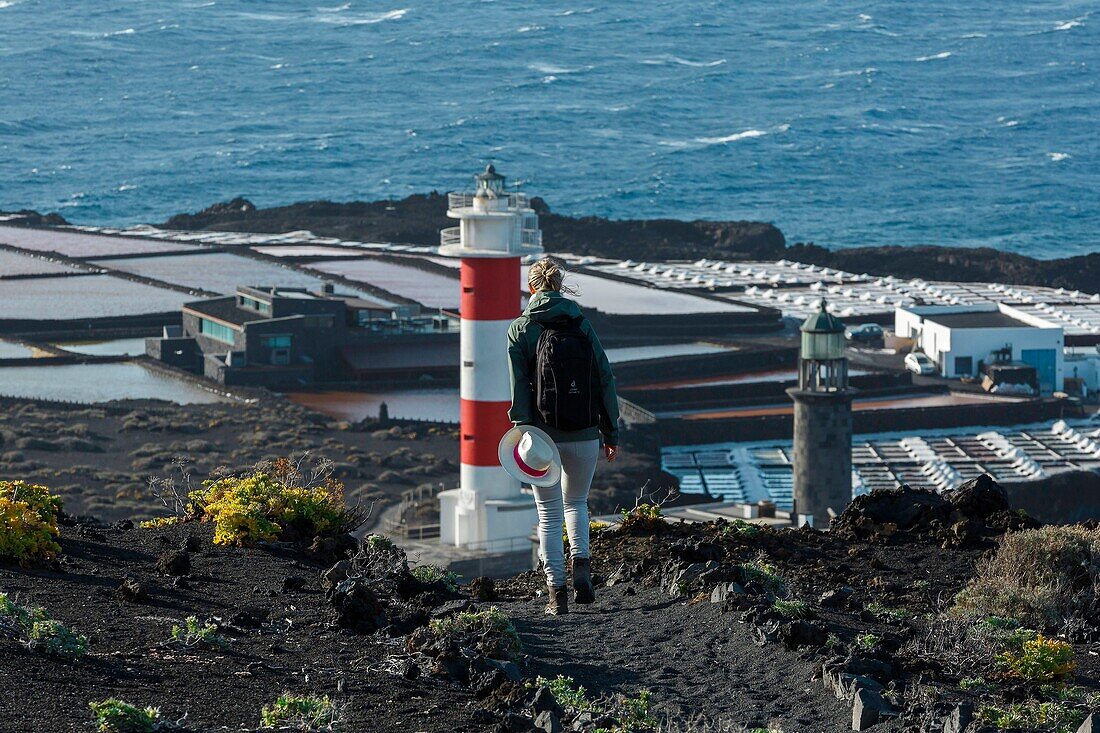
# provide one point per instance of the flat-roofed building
(292, 336)
(964, 340)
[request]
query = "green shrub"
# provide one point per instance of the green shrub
(301, 712)
(34, 628)
(633, 714)
(885, 613)
(192, 633)
(792, 609)
(262, 506)
(1039, 660)
(595, 527)
(28, 522)
(1032, 715)
(868, 641)
(740, 528)
(642, 516)
(567, 693)
(489, 631)
(764, 573)
(115, 716)
(1040, 577)
(436, 574)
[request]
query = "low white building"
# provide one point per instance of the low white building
(959, 339)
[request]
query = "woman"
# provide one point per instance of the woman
(530, 357)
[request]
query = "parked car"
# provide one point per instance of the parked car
(864, 333)
(918, 363)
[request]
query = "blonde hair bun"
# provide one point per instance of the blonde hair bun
(547, 275)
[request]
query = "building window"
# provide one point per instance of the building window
(217, 331)
(964, 366)
(252, 304)
(276, 342)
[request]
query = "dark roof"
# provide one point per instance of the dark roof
(399, 353)
(225, 309)
(976, 319)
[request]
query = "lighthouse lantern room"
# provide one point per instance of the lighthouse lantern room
(496, 228)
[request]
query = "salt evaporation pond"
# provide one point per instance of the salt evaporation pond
(619, 298)
(427, 288)
(217, 272)
(8, 350)
(662, 351)
(307, 251)
(115, 347)
(88, 383)
(428, 404)
(79, 244)
(91, 296)
(13, 263)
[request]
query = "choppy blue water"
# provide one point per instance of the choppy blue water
(844, 122)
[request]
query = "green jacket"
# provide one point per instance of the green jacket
(523, 339)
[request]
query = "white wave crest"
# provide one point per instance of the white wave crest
(1071, 24)
(552, 69)
(1056, 157)
(8, 3)
(670, 59)
(342, 20)
(745, 135)
(125, 32)
(335, 9)
(934, 57)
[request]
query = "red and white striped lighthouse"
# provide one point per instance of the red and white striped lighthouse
(496, 228)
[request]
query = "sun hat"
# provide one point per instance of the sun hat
(530, 456)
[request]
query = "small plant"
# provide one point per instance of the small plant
(192, 634)
(567, 693)
(55, 639)
(115, 716)
(973, 683)
(159, 522)
(632, 714)
(301, 712)
(765, 574)
(379, 542)
(272, 501)
(740, 528)
(595, 527)
(885, 613)
(646, 514)
(34, 628)
(868, 641)
(1039, 660)
(792, 609)
(28, 522)
(490, 631)
(436, 574)
(832, 642)
(1031, 715)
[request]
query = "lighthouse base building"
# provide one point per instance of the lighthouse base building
(489, 511)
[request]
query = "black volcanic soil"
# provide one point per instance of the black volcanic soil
(724, 664)
(418, 219)
(296, 649)
(99, 458)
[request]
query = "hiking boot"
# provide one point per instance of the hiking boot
(559, 601)
(583, 592)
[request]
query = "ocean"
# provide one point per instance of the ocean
(845, 123)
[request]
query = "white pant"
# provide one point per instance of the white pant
(566, 500)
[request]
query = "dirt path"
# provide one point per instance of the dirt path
(699, 664)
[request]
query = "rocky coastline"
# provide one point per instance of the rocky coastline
(417, 219)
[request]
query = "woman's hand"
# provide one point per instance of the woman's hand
(611, 451)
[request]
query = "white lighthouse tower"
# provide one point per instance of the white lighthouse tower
(496, 229)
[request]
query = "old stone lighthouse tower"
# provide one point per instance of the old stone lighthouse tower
(822, 422)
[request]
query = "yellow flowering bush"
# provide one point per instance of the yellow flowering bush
(28, 522)
(1039, 659)
(261, 507)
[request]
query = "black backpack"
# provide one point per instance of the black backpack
(567, 380)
